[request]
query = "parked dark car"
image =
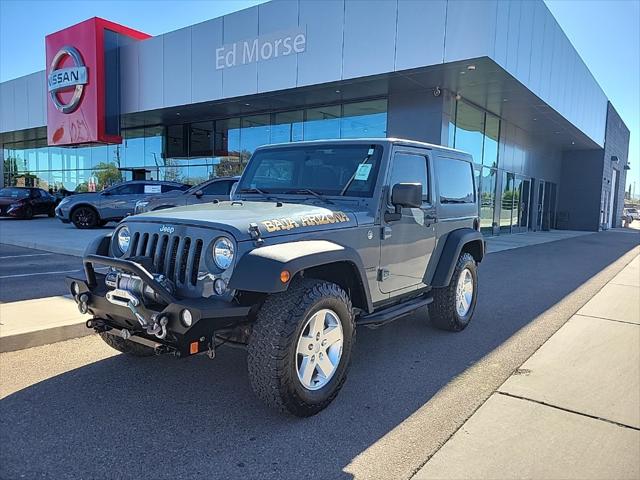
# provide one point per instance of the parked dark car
(205, 192)
(25, 202)
(90, 210)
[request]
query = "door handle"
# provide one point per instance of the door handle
(429, 218)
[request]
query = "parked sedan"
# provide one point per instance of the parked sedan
(632, 213)
(90, 210)
(25, 202)
(215, 189)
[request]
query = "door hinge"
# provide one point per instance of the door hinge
(383, 274)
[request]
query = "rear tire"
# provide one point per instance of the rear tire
(453, 305)
(52, 213)
(126, 346)
(85, 217)
(313, 318)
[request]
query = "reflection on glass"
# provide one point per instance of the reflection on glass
(469, 130)
(201, 139)
(227, 147)
(287, 127)
(492, 134)
(487, 199)
(133, 148)
(255, 132)
(322, 123)
(506, 203)
(364, 119)
(517, 204)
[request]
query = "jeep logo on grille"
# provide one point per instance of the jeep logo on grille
(167, 229)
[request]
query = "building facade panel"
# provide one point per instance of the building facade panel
(176, 68)
(151, 73)
(470, 29)
(420, 33)
(206, 82)
(281, 72)
(241, 79)
(369, 38)
(130, 78)
(324, 24)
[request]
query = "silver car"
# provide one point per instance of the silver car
(216, 189)
(90, 210)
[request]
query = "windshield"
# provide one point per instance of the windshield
(14, 193)
(340, 169)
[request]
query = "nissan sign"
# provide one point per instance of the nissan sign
(261, 48)
(64, 78)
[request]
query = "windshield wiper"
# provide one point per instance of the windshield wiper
(264, 193)
(310, 192)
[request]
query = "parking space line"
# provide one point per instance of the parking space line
(39, 273)
(28, 255)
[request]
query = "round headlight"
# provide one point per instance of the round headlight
(223, 252)
(124, 238)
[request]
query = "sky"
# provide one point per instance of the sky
(606, 33)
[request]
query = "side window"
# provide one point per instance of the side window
(216, 188)
(410, 168)
(168, 188)
(128, 189)
(455, 181)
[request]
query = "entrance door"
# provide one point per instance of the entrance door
(408, 242)
(540, 206)
(524, 199)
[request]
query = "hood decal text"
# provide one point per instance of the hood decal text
(288, 223)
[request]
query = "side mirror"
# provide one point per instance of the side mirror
(198, 193)
(406, 195)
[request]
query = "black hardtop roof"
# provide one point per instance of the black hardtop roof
(382, 140)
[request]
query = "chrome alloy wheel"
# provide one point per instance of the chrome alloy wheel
(319, 349)
(464, 292)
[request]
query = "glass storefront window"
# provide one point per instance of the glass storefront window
(506, 203)
(227, 147)
(322, 123)
(201, 139)
(176, 141)
(153, 142)
(255, 132)
(364, 119)
(492, 134)
(487, 199)
(469, 135)
(133, 148)
(287, 127)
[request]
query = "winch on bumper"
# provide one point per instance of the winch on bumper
(142, 307)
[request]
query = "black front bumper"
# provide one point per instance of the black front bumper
(209, 315)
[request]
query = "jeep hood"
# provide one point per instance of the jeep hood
(272, 220)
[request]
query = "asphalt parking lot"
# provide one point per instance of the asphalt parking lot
(26, 273)
(105, 415)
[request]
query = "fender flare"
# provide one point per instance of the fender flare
(259, 270)
(455, 242)
(99, 245)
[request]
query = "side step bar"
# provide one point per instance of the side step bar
(389, 314)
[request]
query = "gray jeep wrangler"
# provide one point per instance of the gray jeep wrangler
(319, 238)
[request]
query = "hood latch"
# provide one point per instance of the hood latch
(254, 232)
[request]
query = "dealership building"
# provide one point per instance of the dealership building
(497, 79)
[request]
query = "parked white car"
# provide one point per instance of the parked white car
(632, 213)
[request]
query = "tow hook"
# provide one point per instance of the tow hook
(124, 298)
(83, 303)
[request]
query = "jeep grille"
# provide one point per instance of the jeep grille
(177, 258)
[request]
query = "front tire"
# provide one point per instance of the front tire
(85, 217)
(126, 346)
(300, 347)
(453, 305)
(28, 213)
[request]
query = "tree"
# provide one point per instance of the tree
(106, 174)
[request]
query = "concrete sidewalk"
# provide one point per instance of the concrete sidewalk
(31, 323)
(572, 410)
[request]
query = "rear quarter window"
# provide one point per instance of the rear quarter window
(455, 181)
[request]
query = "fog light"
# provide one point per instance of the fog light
(75, 288)
(186, 318)
(219, 286)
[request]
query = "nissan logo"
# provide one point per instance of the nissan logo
(61, 78)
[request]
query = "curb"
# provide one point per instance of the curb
(74, 252)
(37, 338)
